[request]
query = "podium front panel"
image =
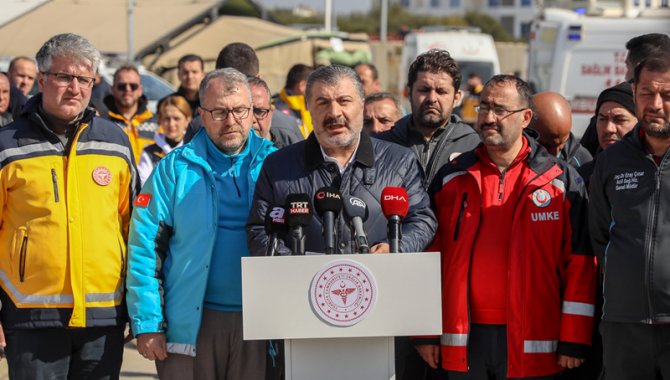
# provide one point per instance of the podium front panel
(276, 296)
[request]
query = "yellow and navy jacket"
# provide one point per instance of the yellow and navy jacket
(64, 215)
(140, 129)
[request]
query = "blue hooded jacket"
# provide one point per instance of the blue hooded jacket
(172, 235)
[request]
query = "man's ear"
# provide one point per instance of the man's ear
(457, 98)
(527, 117)
(40, 80)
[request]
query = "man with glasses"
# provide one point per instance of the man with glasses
(67, 180)
(263, 112)
(518, 278)
(187, 238)
(128, 109)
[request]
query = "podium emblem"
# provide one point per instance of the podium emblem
(343, 293)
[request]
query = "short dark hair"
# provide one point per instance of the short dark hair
(435, 61)
(657, 63)
(379, 96)
(297, 73)
(373, 69)
(256, 81)
(126, 67)
(522, 87)
(643, 46)
(191, 58)
(239, 56)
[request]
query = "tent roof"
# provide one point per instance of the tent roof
(224, 30)
(104, 23)
(12, 9)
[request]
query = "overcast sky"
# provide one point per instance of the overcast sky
(339, 6)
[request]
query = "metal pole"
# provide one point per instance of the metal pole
(328, 18)
(383, 24)
(131, 31)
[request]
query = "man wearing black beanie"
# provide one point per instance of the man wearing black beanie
(615, 117)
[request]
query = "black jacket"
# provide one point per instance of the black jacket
(456, 138)
(301, 168)
(629, 221)
(574, 153)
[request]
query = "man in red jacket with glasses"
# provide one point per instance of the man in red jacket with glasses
(518, 275)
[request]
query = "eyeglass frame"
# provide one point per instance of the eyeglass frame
(266, 112)
(68, 78)
(227, 112)
(508, 112)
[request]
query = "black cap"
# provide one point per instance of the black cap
(355, 207)
(621, 94)
(298, 209)
(327, 199)
(275, 221)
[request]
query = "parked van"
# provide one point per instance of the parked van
(474, 52)
(579, 55)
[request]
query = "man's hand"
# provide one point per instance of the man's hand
(3, 342)
(429, 353)
(569, 361)
(380, 248)
(152, 346)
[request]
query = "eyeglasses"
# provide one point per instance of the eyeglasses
(64, 79)
(498, 111)
(122, 86)
(238, 113)
(261, 113)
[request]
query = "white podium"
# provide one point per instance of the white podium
(396, 295)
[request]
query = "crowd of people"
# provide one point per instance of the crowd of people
(117, 223)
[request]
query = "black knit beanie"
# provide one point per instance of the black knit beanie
(621, 94)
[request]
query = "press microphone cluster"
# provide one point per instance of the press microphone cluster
(296, 214)
(395, 205)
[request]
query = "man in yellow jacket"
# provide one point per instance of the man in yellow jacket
(67, 180)
(127, 107)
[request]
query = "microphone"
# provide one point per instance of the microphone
(328, 204)
(395, 204)
(356, 212)
(298, 214)
(275, 228)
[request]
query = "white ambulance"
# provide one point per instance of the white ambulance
(579, 55)
(472, 50)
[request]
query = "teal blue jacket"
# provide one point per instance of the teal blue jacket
(172, 235)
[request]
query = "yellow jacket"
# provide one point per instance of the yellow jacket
(140, 129)
(64, 223)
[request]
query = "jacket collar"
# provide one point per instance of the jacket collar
(196, 150)
(365, 154)
(111, 106)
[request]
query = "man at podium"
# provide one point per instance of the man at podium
(338, 155)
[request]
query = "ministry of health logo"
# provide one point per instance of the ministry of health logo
(343, 293)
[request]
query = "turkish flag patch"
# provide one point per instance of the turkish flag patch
(142, 200)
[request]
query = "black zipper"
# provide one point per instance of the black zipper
(464, 205)
(123, 261)
(54, 180)
(501, 186)
(22, 258)
(649, 238)
(232, 164)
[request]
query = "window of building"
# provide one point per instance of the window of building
(454, 3)
(435, 3)
(526, 3)
(508, 3)
(525, 30)
(494, 3)
(508, 23)
(405, 3)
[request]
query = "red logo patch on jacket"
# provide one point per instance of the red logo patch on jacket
(142, 200)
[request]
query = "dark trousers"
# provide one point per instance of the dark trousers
(487, 355)
(58, 353)
(410, 366)
(635, 351)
